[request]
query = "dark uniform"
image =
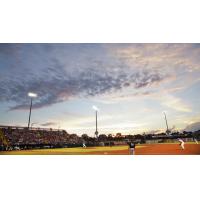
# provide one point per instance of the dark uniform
(132, 148)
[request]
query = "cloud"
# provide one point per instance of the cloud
(117, 97)
(59, 72)
(49, 124)
(175, 103)
(193, 127)
(157, 131)
(170, 57)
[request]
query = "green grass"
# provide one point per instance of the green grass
(67, 151)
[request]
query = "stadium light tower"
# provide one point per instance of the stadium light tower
(96, 110)
(31, 95)
(167, 131)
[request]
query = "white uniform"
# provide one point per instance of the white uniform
(182, 143)
(84, 146)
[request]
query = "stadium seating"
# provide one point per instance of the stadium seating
(24, 138)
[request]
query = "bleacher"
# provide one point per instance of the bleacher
(20, 137)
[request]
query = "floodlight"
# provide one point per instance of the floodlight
(95, 108)
(30, 94)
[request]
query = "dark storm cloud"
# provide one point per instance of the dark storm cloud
(60, 72)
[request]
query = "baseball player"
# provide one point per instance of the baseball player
(182, 143)
(132, 148)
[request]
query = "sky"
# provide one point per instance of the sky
(131, 84)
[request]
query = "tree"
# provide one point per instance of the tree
(73, 136)
(110, 137)
(102, 137)
(118, 135)
(85, 137)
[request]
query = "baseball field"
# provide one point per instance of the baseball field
(145, 149)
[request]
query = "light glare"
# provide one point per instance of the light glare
(95, 108)
(30, 94)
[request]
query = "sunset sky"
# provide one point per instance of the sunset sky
(131, 84)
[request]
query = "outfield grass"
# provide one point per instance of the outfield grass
(68, 151)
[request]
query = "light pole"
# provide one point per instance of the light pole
(31, 95)
(96, 109)
(167, 131)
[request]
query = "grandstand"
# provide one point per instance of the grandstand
(3, 141)
(12, 137)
